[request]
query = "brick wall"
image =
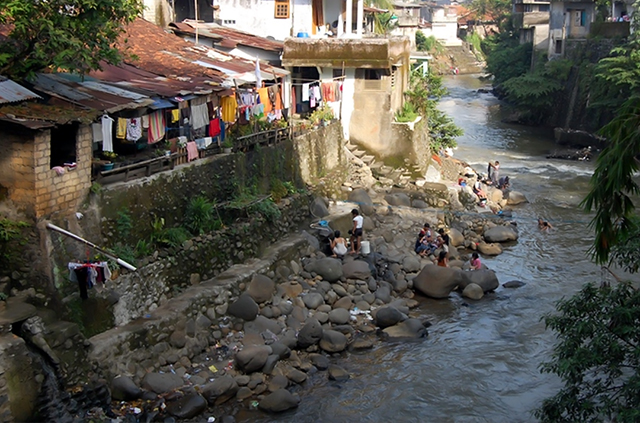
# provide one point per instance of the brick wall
(61, 193)
(16, 169)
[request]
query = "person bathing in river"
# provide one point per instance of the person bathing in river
(338, 245)
(494, 172)
(543, 225)
(443, 261)
(475, 262)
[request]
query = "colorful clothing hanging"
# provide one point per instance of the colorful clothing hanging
(134, 129)
(264, 99)
(156, 127)
(229, 106)
(121, 130)
(192, 151)
(107, 133)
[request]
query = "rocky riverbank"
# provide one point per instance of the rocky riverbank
(285, 327)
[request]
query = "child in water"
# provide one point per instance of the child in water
(475, 262)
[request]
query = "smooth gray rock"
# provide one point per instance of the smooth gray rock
(410, 328)
(513, 284)
(329, 268)
(500, 233)
(261, 288)
(253, 358)
(313, 300)
(398, 199)
(318, 208)
(124, 389)
(411, 264)
(361, 197)
(515, 198)
(220, 390)
(419, 204)
(312, 240)
(244, 307)
(270, 364)
(388, 316)
(280, 349)
(310, 334)
(356, 269)
(333, 341)
(485, 279)
(455, 237)
(278, 401)
(339, 316)
(337, 373)
(161, 383)
(344, 302)
(473, 291)
(187, 407)
(492, 249)
(438, 282)
(383, 294)
(296, 375)
(319, 360)
(278, 382)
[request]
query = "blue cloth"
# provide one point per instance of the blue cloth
(222, 130)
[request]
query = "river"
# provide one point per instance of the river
(480, 362)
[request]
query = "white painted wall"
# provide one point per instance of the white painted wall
(348, 103)
(157, 11)
(257, 17)
(332, 10)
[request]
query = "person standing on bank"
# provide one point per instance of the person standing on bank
(494, 171)
(356, 231)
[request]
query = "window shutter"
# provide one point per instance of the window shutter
(282, 9)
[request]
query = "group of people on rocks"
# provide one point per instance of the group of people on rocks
(427, 243)
(339, 245)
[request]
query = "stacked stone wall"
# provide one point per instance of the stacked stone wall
(17, 180)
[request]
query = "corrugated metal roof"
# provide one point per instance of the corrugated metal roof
(11, 92)
(229, 37)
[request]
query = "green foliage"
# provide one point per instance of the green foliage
(70, 35)
(278, 190)
(496, 11)
(475, 41)
(10, 234)
(407, 113)
(424, 93)
(125, 252)
(533, 93)
(96, 188)
(3, 296)
(384, 23)
(124, 224)
(429, 44)
(200, 215)
(625, 252)
(143, 248)
(174, 237)
(506, 57)
(268, 209)
(291, 188)
(321, 114)
(596, 358)
(613, 183)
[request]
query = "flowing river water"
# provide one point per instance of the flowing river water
(480, 362)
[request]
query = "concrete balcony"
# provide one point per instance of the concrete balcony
(372, 53)
(529, 19)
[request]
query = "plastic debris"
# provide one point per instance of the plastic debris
(254, 404)
(136, 410)
(211, 419)
(213, 368)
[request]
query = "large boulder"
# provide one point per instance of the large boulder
(500, 233)
(410, 328)
(473, 291)
(220, 390)
(398, 199)
(495, 195)
(515, 198)
(456, 238)
(161, 383)
(438, 282)
(361, 197)
(485, 279)
(123, 389)
(411, 264)
(329, 268)
(278, 401)
(244, 307)
(187, 407)
(388, 316)
(310, 334)
(356, 269)
(318, 208)
(261, 288)
(251, 359)
(333, 341)
(492, 249)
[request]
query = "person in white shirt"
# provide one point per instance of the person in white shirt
(356, 231)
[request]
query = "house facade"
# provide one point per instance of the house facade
(442, 23)
(531, 18)
(409, 21)
(570, 20)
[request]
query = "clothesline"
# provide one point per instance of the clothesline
(311, 81)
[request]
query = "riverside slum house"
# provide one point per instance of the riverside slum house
(65, 128)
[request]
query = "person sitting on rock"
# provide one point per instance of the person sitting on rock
(475, 262)
(443, 261)
(426, 246)
(482, 196)
(504, 183)
(543, 225)
(338, 245)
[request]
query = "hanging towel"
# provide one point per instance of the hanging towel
(145, 121)
(107, 133)
(264, 99)
(121, 131)
(199, 113)
(229, 106)
(134, 129)
(175, 115)
(222, 130)
(258, 110)
(305, 92)
(96, 131)
(293, 100)
(192, 151)
(214, 127)
(156, 126)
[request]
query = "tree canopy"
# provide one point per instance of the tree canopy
(71, 35)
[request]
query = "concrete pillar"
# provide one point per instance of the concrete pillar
(349, 22)
(340, 26)
(360, 17)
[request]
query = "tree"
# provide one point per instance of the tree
(497, 11)
(71, 35)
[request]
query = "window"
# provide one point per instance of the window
(558, 46)
(528, 8)
(63, 144)
(282, 9)
(543, 7)
(579, 18)
(229, 22)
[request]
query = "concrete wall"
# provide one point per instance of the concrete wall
(158, 12)
(320, 152)
(370, 124)
(411, 140)
(257, 17)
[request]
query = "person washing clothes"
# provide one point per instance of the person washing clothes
(356, 231)
(494, 172)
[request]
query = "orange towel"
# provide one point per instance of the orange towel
(264, 99)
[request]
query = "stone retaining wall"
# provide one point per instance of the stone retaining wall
(182, 326)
